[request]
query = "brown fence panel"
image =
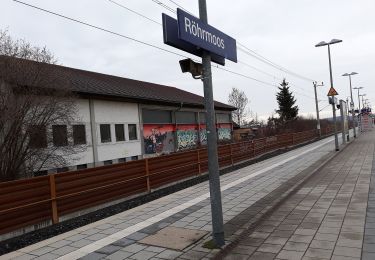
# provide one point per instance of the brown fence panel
(224, 154)
(27, 202)
(259, 146)
(23, 203)
(90, 187)
(242, 151)
(171, 168)
(203, 160)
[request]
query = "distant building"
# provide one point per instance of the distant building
(121, 119)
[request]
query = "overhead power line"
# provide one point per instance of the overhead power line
(165, 6)
(144, 43)
(135, 12)
(101, 28)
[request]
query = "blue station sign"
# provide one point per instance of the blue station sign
(170, 37)
(192, 30)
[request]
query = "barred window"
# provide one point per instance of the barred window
(60, 135)
(79, 134)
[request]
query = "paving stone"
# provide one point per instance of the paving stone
(155, 249)
(192, 254)
(262, 256)
(318, 253)
(296, 246)
(134, 248)
(270, 248)
(143, 255)
(326, 237)
(368, 256)
(290, 255)
(123, 242)
(276, 240)
(80, 243)
(26, 257)
(169, 254)
(60, 243)
(42, 251)
(64, 250)
(119, 255)
(234, 256)
(47, 256)
(347, 251)
(110, 249)
(137, 236)
(245, 250)
(321, 244)
(301, 238)
(93, 256)
(76, 237)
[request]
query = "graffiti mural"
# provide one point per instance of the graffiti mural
(158, 139)
(203, 135)
(187, 137)
(224, 134)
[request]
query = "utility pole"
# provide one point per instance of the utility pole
(317, 109)
(213, 165)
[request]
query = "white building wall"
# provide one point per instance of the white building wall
(83, 117)
(113, 112)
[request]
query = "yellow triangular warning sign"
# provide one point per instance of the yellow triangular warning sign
(332, 92)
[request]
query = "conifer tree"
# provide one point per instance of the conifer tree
(287, 110)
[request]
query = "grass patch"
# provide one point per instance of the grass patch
(210, 245)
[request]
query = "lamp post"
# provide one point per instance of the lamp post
(351, 98)
(317, 109)
(359, 109)
(333, 41)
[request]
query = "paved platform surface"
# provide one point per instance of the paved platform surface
(286, 207)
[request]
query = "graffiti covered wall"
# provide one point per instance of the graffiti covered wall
(158, 139)
(224, 132)
(187, 137)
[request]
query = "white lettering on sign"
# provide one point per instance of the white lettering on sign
(194, 29)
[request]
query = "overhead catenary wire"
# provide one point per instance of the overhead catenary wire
(259, 57)
(140, 42)
(135, 12)
(100, 28)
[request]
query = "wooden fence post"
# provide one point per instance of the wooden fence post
(253, 144)
(147, 176)
(199, 162)
(52, 186)
(231, 154)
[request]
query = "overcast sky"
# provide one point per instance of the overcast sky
(284, 31)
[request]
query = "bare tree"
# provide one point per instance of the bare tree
(33, 97)
(238, 99)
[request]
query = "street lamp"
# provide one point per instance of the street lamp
(317, 108)
(351, 99)
(359, 109)
(320, 44)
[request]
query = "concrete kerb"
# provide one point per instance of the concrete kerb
(236, 238)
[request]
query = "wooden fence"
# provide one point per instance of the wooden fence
(31, 201)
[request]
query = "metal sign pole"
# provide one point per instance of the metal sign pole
(213, 165)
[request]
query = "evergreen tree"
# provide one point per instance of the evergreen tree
(285, 99)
